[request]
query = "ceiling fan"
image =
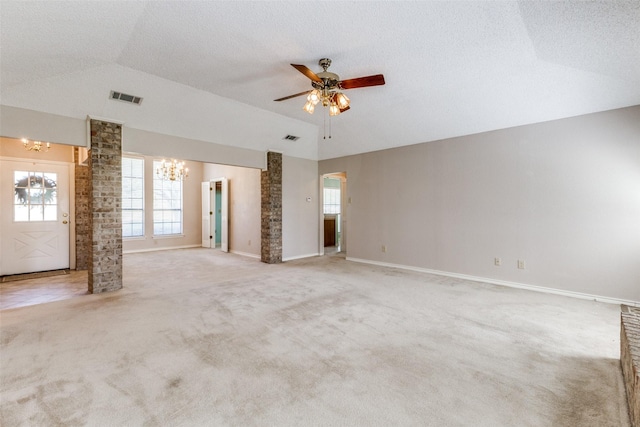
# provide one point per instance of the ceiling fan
(327, 88)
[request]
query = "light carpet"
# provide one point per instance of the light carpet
(199, 337)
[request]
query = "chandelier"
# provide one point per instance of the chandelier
(173, 170)
(36, 146)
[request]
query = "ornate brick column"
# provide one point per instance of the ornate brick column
(105, 251)
(271, 191)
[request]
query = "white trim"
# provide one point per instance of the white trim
(572, 294)
(72, 215)
(247, 254)
(291, 258)
(132, 155)
(167, 236)
(135, 251)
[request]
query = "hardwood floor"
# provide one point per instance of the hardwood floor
(22, 293)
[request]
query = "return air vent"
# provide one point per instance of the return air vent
(291, 138)
(131, 99)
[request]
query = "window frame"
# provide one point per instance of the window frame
(143, 209)
(156, 164)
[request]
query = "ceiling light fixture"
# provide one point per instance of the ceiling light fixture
(173, 170)
(327, 89)
(36, 146)
(336, 101)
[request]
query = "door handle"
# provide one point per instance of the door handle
(65, 221)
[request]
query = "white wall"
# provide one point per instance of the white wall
(300, 218)
(244, 206)
(564, 196)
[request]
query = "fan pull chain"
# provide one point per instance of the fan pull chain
(324, 126)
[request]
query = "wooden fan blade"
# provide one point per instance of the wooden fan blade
(307, 72)
(342, 110)
(293, 96)
(375, 80)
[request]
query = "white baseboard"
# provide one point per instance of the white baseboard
(247, 254)
(291, 258)
(135, 251)
(599, 298)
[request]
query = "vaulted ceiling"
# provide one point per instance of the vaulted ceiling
(210, 70)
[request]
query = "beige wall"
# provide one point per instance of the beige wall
(22, 123)
(300, 228)
(300, 217)
(151, 143)
(13, 148)
(192, 221)
(244, 206)
(563, 196)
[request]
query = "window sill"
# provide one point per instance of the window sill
(168, 236)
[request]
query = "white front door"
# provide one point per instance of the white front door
(34, 219)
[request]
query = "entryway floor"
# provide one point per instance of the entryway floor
(331, 250)
(22, 293)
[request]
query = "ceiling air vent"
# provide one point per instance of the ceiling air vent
(291, 138)
(131, 99)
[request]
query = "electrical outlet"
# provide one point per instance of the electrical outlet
(521, 264)
(497, 262)
(384, 248)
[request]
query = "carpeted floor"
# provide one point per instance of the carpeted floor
(199, 337)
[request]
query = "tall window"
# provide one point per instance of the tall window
(331, 196)
(167, 205)
(132, 197)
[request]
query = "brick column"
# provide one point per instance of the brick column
(271, 191)
(83, 213)
(105, 251)
(630, 359)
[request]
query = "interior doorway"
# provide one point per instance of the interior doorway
(334, 213)
(215, 214)
(35, 218)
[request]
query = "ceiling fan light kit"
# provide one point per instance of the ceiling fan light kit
(327, 88)
(336, 101)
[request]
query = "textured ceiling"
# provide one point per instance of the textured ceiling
(210, 70)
